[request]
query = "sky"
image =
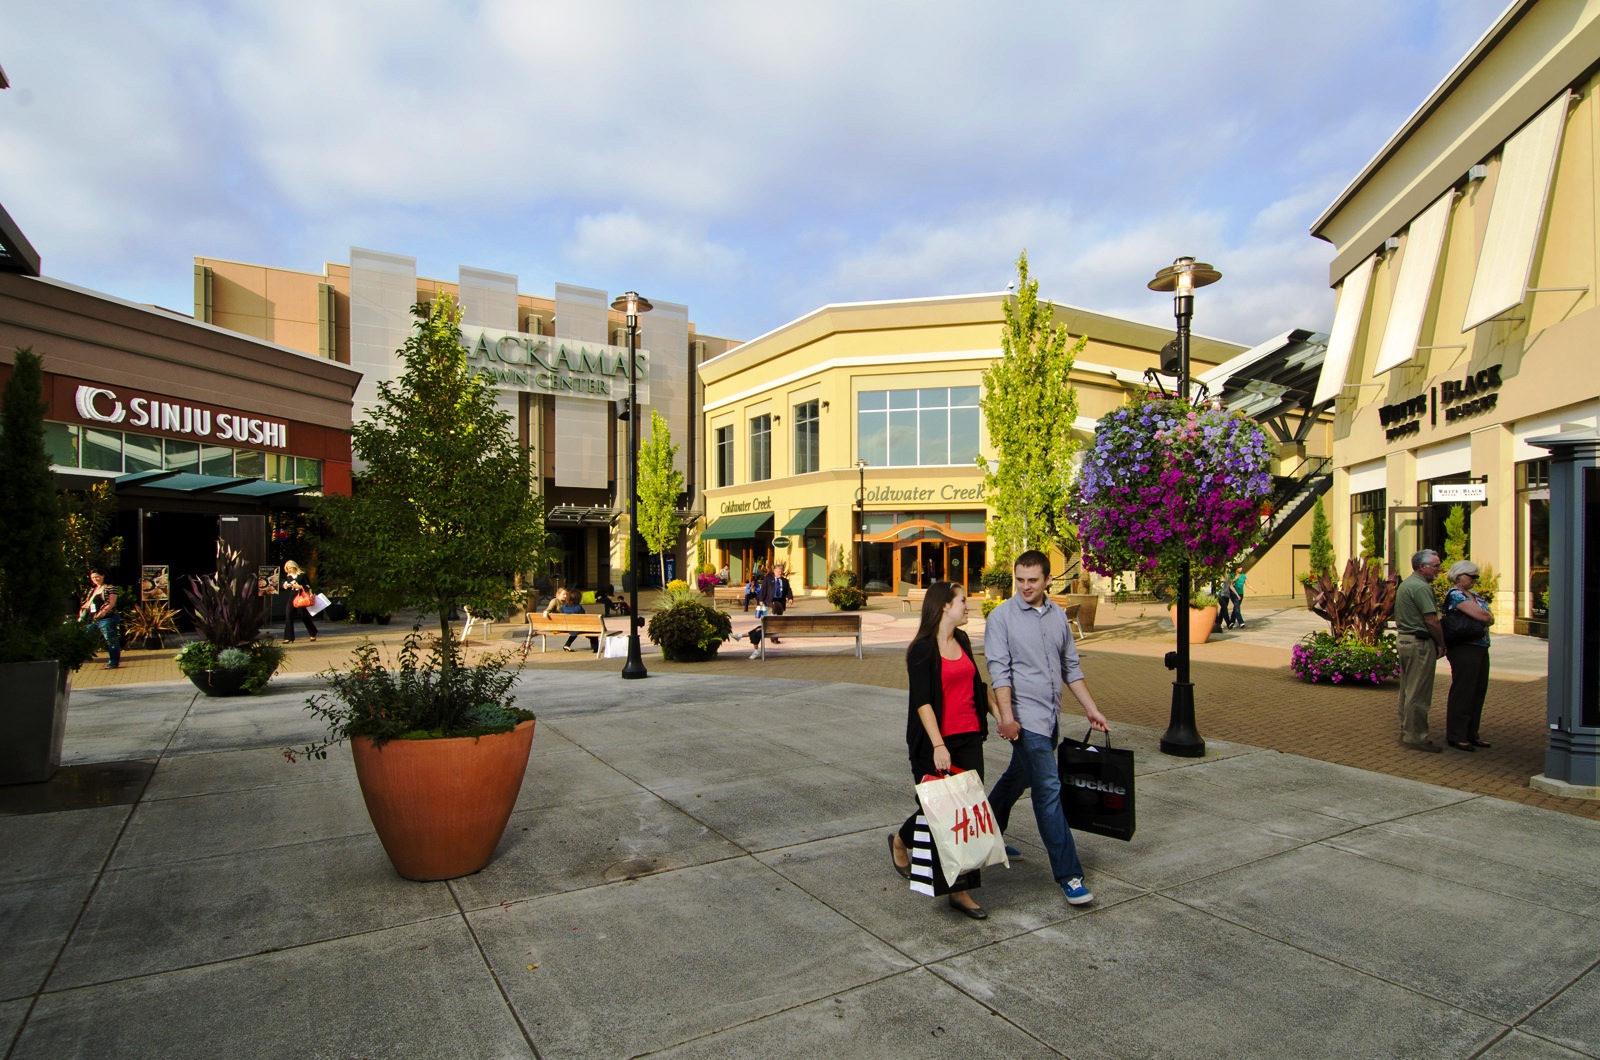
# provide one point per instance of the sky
(752, 161)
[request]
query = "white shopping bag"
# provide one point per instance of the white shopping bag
(616, 646)
(961, 823)
(761, 611)
(319, 604)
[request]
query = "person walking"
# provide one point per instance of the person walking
(297, 583)
(946, 725)
(1031, 654)
(1469, 660)
(1236, 596)
(1416, 618)
(99, 609)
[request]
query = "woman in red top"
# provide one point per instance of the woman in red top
(946, 725)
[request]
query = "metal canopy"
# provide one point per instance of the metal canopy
(802, 520)
(731, 527)
(191, 484)
(16, 253)
(1273, 380)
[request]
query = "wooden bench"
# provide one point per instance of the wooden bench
(1060, 600)
(727, 594)
(542, 626)
(841, 624)
(913, 599)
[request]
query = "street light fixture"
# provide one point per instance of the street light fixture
(632, 305)
(861, 524)
(1182, 737)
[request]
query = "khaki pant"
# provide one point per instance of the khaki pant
(1417, 661)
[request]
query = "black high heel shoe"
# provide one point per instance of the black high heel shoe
(903, 870)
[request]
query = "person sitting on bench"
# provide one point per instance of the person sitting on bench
(569, 603)
(752, 590)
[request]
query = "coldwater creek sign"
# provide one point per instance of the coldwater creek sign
(516, 360)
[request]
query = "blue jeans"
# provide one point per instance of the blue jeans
(108, 632)
(1033, 765)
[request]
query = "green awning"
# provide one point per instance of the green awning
(802, 520)
(730, 527)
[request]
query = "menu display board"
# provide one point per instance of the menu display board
(153, 582)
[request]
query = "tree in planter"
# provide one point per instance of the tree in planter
(1029, 405)
(1321, 546)
(1455, 550)
(36, 586)
(444, 515)
(660, 485)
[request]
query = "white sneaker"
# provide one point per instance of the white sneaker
(756, 654)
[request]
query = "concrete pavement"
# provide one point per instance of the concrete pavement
(696, 867)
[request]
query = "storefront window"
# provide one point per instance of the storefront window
(247, 464)
(1367, 526)
(102, 450)
(216, 460)
(182, 456)
(307, 472)
(807, 438)
(931, 426)
(1533, 540)
(279, 468)
(141, 452)
(61, 442)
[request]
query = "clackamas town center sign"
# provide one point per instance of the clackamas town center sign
(516, 360)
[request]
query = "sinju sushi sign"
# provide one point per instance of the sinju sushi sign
(516, 360)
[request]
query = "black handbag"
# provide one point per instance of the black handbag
(1097, 787)
(1460, 628)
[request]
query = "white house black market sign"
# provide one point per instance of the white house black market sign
(515, 360)
(1469, 396)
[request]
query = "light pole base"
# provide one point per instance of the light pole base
(633, 669)
(1182, 739)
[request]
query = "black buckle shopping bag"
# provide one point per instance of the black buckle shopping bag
(1097, 787)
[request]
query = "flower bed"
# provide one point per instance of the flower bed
(1319, 657)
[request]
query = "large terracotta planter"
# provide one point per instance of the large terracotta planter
(1088, 604)
(33, 722)
(440, 806)
(1201, 621)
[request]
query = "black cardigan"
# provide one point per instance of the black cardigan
(925, 679)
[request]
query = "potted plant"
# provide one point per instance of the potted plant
(996, 580)
(228, 614)
(147, 623)
(40, 647)
(1356, 648)
(1321, 553)
(1166, 486)
(843, 592)
(684, 628)
(1202, 621)
(443, 516)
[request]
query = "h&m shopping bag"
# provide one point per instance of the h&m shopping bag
(319, 604)
(615, 646)
(961, 823)
(1097, 787)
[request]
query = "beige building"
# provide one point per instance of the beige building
(559, 363)
(1465, 263)
(893, 387)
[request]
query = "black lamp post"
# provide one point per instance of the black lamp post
(632, 305)
(861, 524)
(1182, 738)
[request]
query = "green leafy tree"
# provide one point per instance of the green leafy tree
(1029, 405)
(1369, 540)
(87, 519)
(35, 582)
(444, 514)
(1321, 544)
(660, 484)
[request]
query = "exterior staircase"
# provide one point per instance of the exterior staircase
(1292, 497)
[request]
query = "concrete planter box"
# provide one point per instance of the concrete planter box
(33, 721)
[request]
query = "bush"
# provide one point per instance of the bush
(847, 597)
(688, 630)
(997, 576)
(1319, 657)
(989, 604)
(262, 659)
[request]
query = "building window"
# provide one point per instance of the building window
(1533, 540)
(724, 455)
(760, 448)
(910, 428)
(1367, 522)
(807, 438)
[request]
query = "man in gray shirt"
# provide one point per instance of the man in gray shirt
(1031, 655)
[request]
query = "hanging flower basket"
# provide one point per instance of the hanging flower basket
(1164, 484)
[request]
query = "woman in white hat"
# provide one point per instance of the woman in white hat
(1469, 657)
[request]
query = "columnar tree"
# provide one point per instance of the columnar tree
(660, 484)
(1029, 405)
(444, 514)
(1321, 556)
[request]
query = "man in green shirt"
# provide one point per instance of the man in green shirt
(1416, 618)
